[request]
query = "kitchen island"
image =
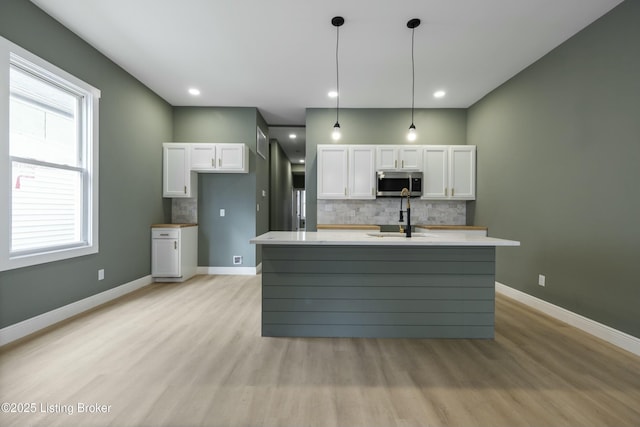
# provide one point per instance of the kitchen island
(361, 284)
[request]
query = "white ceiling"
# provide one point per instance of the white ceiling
(279, 55)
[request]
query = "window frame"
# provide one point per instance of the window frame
(10, 53)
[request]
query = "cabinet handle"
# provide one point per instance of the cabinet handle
(185, 189)
(453, 192)
(175, 245)
(219, 162)
(213, 162)
(403, 164)
(446, 192)
(395, 163)
(345, 191)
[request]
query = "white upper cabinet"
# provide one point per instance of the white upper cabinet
(177, 178)
(435, 179)
(387, 158)
(232, 158)
(332, 171)
(449, 172)
(410, 158)
(203, 157)
(462, 172)
(394, 157)
(362, 173)
(222, 158)
(346, 171)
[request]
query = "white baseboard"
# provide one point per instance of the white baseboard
(34, 324)
(604, 332)
(240, 271)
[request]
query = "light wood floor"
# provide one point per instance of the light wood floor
(191, 354)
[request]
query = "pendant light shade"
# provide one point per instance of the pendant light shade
(412, 24)
(336, 135)
(337, 22)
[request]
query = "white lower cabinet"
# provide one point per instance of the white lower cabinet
(173, 252)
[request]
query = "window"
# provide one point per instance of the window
(49, 162)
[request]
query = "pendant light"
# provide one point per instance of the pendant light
(413, 23)
(337, 22)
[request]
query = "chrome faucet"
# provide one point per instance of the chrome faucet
(406, 193)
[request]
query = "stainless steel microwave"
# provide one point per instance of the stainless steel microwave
(390, 184)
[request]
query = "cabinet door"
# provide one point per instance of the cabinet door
(332, 172)
(231, 158)
(203, 157)
(410, 158)
(165, 258)
(177, 180)
(387, 158)
(462, 172)
(436, 172)
(362, 179)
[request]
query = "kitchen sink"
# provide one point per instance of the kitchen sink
(398, 234)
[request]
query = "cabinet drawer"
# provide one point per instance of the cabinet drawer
(165, 233)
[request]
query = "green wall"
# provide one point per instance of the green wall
(558, 169)
(220, 238)
(376, 126)
(281, 186)
(133, 124)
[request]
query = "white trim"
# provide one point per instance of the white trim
(34, 324)
(242, 271)
(604, 332)
(10, 53)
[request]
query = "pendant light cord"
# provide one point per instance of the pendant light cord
(337, 74)
(413, 75)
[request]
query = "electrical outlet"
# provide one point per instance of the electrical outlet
(222, 212)
(541, 279)
(101, 274)
(237, 260)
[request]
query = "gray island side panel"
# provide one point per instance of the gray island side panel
(372, 291)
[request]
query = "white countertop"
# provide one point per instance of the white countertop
(366, 239)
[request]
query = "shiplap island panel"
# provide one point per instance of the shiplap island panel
(366, 286)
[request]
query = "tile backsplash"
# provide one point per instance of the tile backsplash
(184, 211)
(385, 211)
(382, 211)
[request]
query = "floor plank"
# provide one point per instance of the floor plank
(191, 354)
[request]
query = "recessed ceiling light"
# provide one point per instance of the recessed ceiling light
(439, 94)
(332, 94)
(193, 91)
(292, 135)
